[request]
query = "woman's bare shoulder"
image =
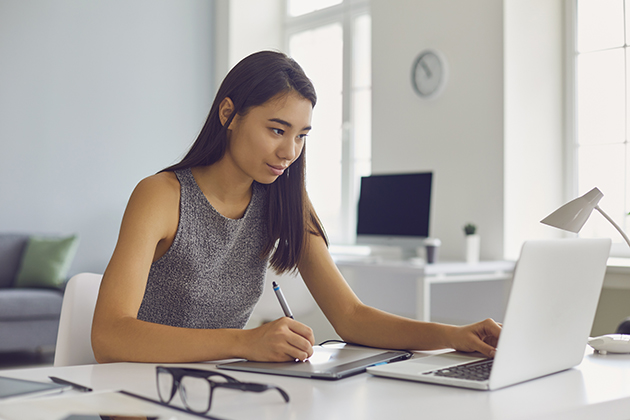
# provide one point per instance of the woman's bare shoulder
(158, 187)
(155, 200)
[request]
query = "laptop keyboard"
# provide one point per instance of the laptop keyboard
(474, 371)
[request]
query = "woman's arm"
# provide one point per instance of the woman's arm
(361, 324)
(147, 231)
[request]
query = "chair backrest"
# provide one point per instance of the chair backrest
(74, 345)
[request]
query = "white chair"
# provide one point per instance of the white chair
(74, 345)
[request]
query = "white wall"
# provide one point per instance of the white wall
(94, 96)
(486, 138)
(244, 27)
(255, 25)
(534, 118)
(459, 135)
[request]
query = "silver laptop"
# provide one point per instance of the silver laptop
(549, 316)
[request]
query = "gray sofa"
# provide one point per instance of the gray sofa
(29, 317)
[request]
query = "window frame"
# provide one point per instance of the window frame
(571, 140)
(571, 151)
(344, 13)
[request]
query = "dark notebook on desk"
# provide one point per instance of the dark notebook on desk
(327, 362)
(549, 316)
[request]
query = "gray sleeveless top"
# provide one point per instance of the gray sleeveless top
(212, 275)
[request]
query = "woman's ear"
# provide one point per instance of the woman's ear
(226, 109)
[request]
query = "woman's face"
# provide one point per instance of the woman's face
(270, 137)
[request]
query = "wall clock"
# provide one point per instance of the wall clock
(428, 74)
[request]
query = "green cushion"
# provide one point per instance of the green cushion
(46, 261)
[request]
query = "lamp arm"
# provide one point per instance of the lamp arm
(625, 237)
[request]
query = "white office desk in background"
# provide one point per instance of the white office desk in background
(405, 288)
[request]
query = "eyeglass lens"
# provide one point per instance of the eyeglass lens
(196, 387)
(194, 391)
(165, 385)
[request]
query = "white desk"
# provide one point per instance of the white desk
(598, 388)
(404, 288)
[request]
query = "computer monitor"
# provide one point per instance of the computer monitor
(393, 210)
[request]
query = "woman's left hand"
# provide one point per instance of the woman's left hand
(482, 337)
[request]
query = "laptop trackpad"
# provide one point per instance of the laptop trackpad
(439, 361)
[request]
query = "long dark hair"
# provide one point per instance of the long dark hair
(252, 82)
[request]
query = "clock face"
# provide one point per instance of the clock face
(428, 74)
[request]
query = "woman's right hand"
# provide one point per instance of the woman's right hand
(282, 340)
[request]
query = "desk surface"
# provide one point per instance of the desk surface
(598, 388)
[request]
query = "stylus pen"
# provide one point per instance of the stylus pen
(72, 384)
(282, 300)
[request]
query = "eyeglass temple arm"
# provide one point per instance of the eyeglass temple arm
(625, 237)
(255, 387)
(281, 391)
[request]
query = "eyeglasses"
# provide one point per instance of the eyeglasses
(196, 388)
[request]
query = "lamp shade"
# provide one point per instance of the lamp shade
(574, 214)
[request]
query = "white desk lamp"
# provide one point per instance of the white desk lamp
(574, 214)
(572, 217)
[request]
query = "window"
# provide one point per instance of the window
(331, 41)
(302, 7)
(600, 147)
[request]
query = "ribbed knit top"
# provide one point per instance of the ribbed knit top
(212, 275)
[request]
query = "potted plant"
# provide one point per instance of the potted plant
(472, 243)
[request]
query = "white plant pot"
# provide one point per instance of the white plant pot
(473, 243)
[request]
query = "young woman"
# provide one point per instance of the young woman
(196, 239)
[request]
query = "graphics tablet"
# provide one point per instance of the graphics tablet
(327, 362)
